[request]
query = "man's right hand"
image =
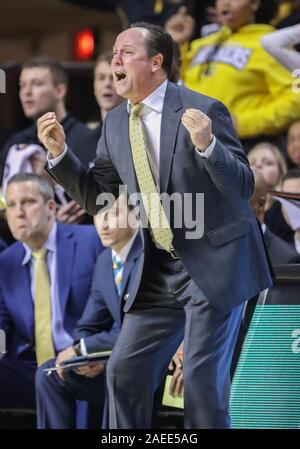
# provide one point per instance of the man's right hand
(70, 213)
(51, 134)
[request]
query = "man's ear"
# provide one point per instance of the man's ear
(61, 90)
(52, 208)
(157, 61)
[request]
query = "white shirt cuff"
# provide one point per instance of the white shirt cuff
(53, 161)
(83, 347)
(207, 153)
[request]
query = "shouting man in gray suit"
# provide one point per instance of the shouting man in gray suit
(169, 140)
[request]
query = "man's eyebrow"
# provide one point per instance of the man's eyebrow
(30, 79)
(123, 46)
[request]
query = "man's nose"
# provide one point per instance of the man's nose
(117, 59)
(26, 91)
(19, 210)
(108, 81)
(104, 221)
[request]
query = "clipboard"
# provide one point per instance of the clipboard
(81, 360)
(168, 400)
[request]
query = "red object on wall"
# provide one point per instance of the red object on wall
(84, 45)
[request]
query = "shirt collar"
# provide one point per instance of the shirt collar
(155, 100)
(123, 254)
(50, 244)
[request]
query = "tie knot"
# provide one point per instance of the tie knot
(117, 262)
(40, 254)
(137, 108)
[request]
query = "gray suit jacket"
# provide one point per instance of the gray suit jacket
(228, 262)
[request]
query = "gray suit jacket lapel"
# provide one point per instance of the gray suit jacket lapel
(171, 115)
(125, 156)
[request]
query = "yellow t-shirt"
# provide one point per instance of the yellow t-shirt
(235, 69)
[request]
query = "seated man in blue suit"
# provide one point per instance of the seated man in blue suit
(98, 328)
(45, 280)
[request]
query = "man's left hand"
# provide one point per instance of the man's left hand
(198, 125)
(176, 385)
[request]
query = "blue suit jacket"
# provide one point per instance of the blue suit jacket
(102, 317)
(228, 262)
(77, 251)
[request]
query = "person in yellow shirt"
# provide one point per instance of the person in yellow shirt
(232, 66)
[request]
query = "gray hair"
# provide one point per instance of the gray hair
(44, 186)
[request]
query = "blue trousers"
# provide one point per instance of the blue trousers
(17, 382)
(57, 399)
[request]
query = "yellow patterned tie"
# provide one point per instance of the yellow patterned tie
(161, 231)
(42, 309)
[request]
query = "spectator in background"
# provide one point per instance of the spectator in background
(266, 159)
(280, 252)
(43, 87)
(233, 67)
(98, 328)
(291, 184)
(31, 158)
(293, 144)
(104, 90)
(190, 23)
(292, 16)
(45, 280)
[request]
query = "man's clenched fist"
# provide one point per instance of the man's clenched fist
(199, 126)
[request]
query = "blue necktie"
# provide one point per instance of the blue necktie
(118, 267)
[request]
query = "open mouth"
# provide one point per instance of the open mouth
(120, 76)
